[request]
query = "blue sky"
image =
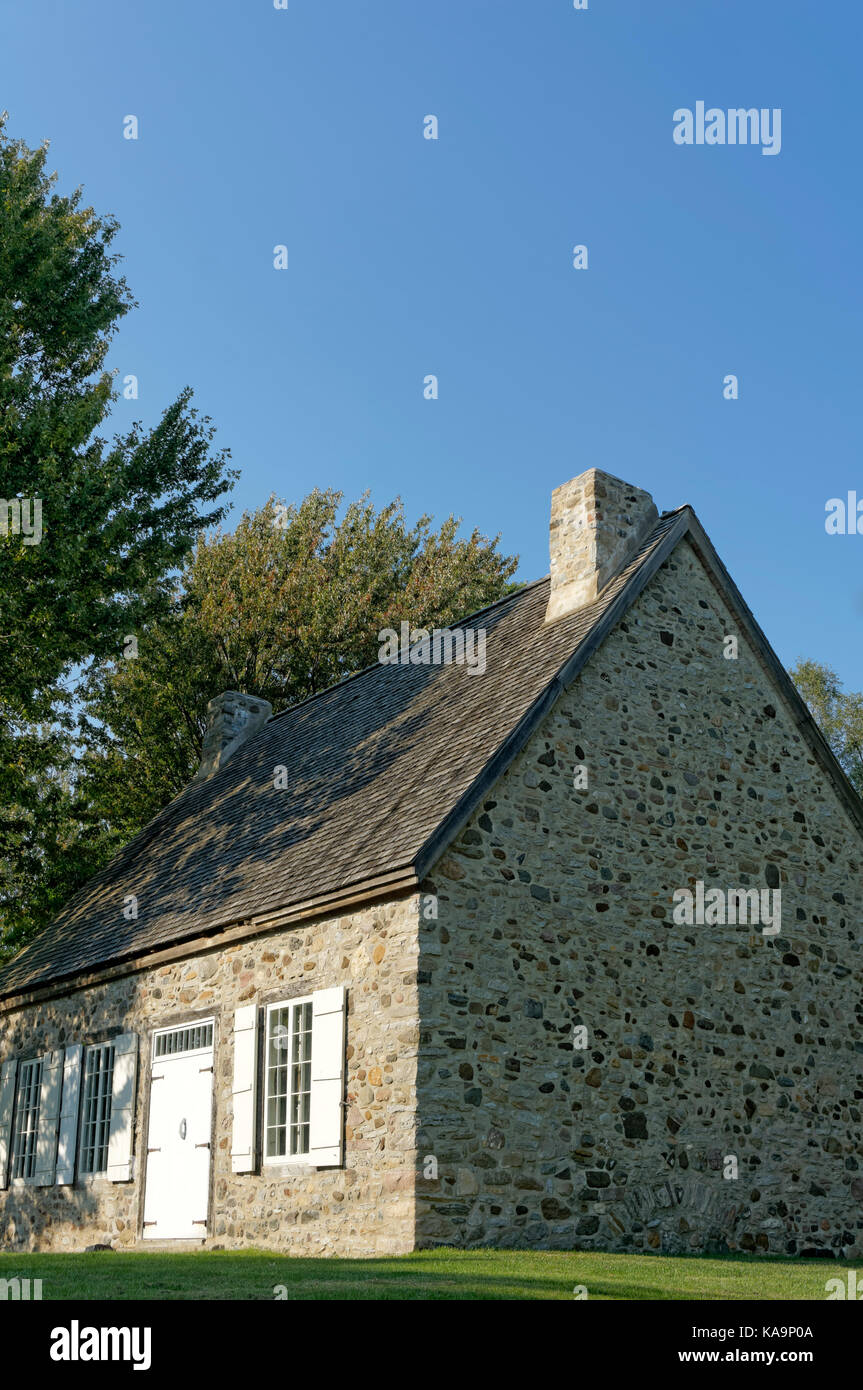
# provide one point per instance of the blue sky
(408, 256)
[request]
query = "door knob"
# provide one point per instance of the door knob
(182, 1129)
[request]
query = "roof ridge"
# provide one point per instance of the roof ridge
(376, 665)
(461, 622)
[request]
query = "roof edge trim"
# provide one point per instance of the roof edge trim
(804, 720)
(357, 895)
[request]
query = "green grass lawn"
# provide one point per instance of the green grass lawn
(428, 1274)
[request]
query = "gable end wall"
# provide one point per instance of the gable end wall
(704, 1042)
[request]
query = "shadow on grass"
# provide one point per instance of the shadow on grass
(431, 1275)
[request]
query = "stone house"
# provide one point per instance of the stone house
(474, 956)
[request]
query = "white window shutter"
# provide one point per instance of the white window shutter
(8, 1073)
(68, 1140)
(122, 1129)
(328, 1076)
(49, 1118)
(244, 1088)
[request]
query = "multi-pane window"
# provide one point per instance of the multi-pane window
(289, 1079)
(96, 1108)
(191, 1039)
(26, 1122)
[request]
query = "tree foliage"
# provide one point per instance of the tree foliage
(286, 605)
(118, 517)
(838, 712)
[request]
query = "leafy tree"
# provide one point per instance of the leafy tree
(283, 607)
(116, 518)
(839, 714)
(52, 842)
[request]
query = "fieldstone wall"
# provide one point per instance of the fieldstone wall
(364, 1208)
(709, 1049)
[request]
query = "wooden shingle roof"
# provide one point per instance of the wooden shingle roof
(382, 771)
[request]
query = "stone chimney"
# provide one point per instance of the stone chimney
(231, 719)
(597, 524)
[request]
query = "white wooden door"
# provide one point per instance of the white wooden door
(176, 1201)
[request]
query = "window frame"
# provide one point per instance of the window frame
(303, 1158)
(107, 1097)
(191, 1029)
(27, 1158)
